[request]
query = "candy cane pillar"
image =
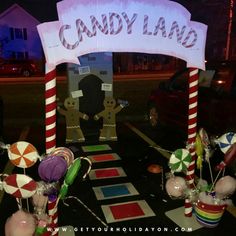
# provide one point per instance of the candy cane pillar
(50, 108)
(52, 228)
(192, 132)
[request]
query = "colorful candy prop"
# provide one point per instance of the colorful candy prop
(23, 154)
(226, 140)
(229, 157)
(204, 138)
(70, 177)
(52, 168)
(20, 186)
(209, 215)
(66, 153)
(53, 214)
(180, 160)
(207, 148)
(225, 187)
(20, 224)
(199, 151)
(176, 186)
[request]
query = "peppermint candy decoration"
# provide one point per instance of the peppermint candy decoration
(225, 141)
(180, 160)
(19, 186)
(23, 154)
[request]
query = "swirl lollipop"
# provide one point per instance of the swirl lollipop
(66, 153)
(225, 141)
(180, 160)
(22, 154)
(19, 185)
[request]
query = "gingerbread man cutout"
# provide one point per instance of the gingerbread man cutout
(108, 131)
(72, 115)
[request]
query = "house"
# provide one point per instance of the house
(19, 38)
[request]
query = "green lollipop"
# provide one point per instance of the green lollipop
(70, 177)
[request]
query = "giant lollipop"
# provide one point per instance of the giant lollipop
(20, 224)
(70, 177)
(66, 153)
(52, 168)
(229, 157)
(19, 185)
(226, 140)
(176, 186)
(23, 154)
(225, 186)
(180, 160)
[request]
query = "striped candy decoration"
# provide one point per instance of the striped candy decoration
(50, 109)
(53, 214)
(192, 132)
(209, 215)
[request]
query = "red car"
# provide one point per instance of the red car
(14, 67)
(216, 99)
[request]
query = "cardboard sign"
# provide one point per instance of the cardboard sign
(160, 27)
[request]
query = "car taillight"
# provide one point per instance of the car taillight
(33, 65)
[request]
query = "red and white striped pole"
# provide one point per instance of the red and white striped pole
(52, 228)
(50, 109)
(192, 132)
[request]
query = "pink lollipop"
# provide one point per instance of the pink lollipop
(175, 186)
(23, 154)
(20, 224)
(225, 186)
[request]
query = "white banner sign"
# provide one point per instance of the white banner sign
(148, 26)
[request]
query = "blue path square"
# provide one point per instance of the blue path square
(115, 190)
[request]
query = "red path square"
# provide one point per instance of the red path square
(105, 157)
(126, 210)
(106, 173)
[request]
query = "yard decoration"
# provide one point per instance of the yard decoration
(64, 42)
(73, 115)
(108, 131)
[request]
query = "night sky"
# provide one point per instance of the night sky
(45, 10)
(42, 10)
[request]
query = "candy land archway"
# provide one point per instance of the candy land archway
(156, 27)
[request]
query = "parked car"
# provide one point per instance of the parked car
(216, 99)
(14, 67)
